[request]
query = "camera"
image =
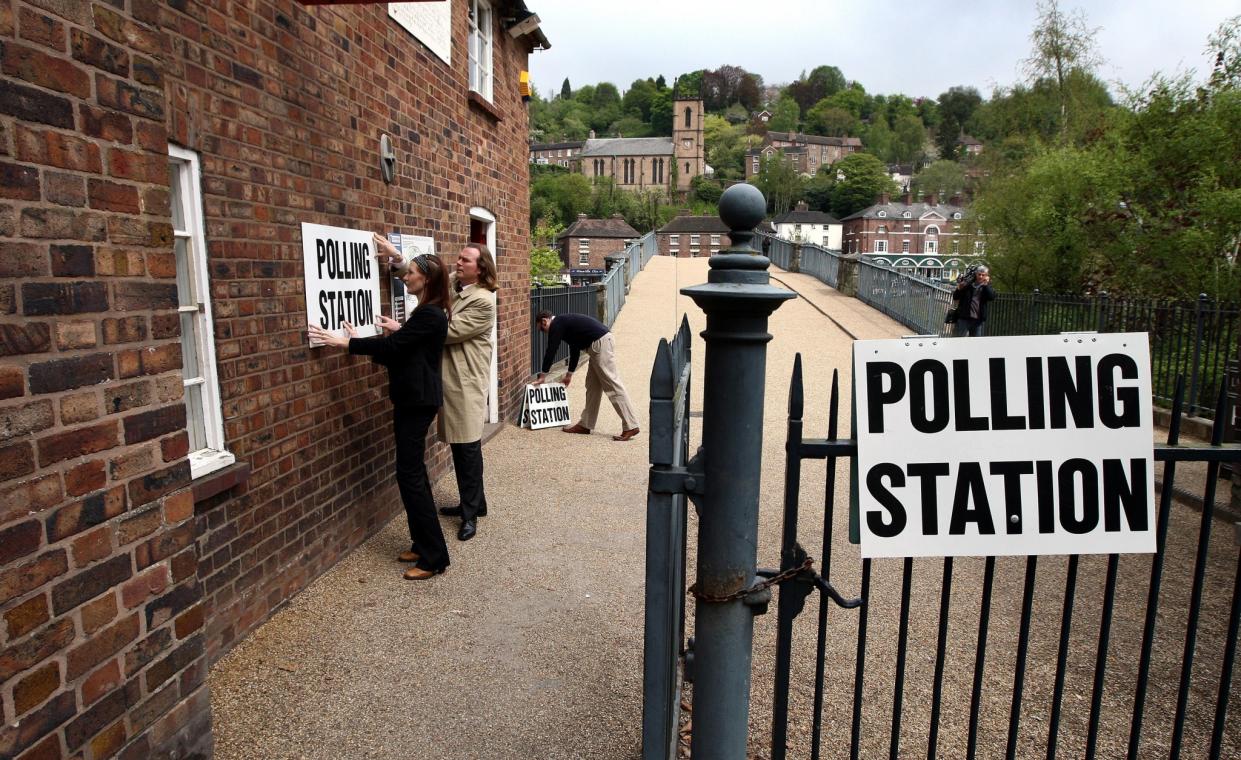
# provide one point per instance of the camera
(971, 274)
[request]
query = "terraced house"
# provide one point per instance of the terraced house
(924, 237)
(175, 461)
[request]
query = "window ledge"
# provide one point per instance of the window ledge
(219, 481)
(486, 106)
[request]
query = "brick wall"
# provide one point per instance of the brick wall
(117, 589)
(600, 249)
(103, 648)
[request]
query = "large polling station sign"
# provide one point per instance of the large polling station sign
(342, 278)
(1004, 446)
(545, 406)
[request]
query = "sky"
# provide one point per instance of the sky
(889, 46)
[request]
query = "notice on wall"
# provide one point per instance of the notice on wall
(545, 406)
(1004, 446)
(409, 246)
(342, 278)
(429, 22)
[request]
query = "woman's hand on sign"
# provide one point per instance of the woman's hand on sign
(385, 251)
(387, 323)
(328, 338)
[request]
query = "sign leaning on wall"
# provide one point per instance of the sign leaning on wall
(1004, 446)
(342, 278)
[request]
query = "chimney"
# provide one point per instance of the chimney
(592, 134)
(801, 206)
(883, 199)
(932, 200)
(907, 198)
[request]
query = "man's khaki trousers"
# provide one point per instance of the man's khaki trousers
(603, 377)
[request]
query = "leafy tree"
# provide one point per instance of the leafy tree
(545, 266)
(661, 83)
(943, 178)
(661, 113)
(956, 106)
(785, 115)
(819, 189)
(827, 119)
(637, 100)
(750, 92)
(779, 182)
(630, 126)
(566, 91)
(705, 189)
(1063, 43)
(560, 195)
(861, 177)
(851, 99)
(880, 140)
(908, 140)
(828, 78)
(689, 85)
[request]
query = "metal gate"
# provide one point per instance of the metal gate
(1103, 644)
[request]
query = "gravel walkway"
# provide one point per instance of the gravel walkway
(531, 645)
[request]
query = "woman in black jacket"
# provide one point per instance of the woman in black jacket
(412, 352)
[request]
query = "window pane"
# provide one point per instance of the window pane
(185, 277)
(189, 345)
(175, 172)
(194, 417)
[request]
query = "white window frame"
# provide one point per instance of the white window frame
(715, 240)
(979, 248)
(881, 246)
(674, 251)
(185, 184)
(583, 258)
(694, 239)
(480, 41)
(930, 246)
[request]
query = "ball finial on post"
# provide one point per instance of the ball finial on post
(742, 207)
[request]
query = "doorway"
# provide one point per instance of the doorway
(483, 230)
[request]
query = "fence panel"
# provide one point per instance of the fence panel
(560, 300)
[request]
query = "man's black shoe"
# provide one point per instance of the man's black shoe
(467, 531)
(456, 511)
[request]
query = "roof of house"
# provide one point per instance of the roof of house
(628, 146)
(805, 217)
(813, 139)
(710, 223)
(614, 227)
(968, 140)
(896, 210)
(557, 146)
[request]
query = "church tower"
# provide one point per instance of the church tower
(687, 145)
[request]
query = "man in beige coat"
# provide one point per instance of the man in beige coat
(467, 376)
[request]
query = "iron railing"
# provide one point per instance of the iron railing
(558, 300)
(1194, 339)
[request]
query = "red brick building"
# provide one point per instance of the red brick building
(175, 461)
(688, 236)
(587, 243)
(805, 152)
(924, 237)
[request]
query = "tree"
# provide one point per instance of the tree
(545, 266)
(881, 141)
(861, 177)
(785, 116)
(827, 78)
(637, 100)
(566, 91)
(908, 139)
(661, 83)
(750, 92)
(829, 120)
(705, 190)
(779, 182)
(956, 106)
(661, 113)
(942, 178)
(1062, 44)
(819, 189)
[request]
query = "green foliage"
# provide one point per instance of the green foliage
(566, 91)
(638, 98)
(779, 182)
(908, 139)
(943, 178)
(725, 145)
(706, 190)
(956, 106)
(545, 266)
(785, 115)
(857, 179)
(661, 113)
(830, 120)
(818, 189)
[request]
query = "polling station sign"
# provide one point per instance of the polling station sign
(342, 278)
(545, 406)
(1004, 446)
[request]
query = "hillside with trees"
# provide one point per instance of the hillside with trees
(1079, 188)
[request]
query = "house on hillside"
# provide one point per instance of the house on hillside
(556, 154)
(585, 245)
(689, 236)
(924, 237)
(801, 225)
(969, 146)
(805, 152)
(178, 179)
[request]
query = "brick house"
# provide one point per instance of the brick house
(805, 226)
(689, 236)
(925, 237)
(557, 154)
(176, 461)
(806, 152)
(587, 243)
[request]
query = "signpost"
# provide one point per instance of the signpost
(1005, 446)
(342, 278)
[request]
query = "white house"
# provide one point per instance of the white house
(801, 225)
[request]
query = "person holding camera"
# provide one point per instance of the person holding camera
(412, 353)
(971, 298)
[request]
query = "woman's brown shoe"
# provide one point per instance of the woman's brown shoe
(407, 557)
(418, 574)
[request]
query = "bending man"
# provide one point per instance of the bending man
(584, 333)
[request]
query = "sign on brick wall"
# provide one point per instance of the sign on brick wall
(431, 23)
(342, 278)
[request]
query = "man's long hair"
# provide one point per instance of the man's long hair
(488, 277)
(435, 291)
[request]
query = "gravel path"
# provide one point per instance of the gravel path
(531, 645)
